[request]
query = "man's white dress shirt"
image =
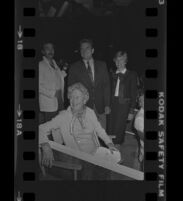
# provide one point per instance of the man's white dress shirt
(118, 82)
(91, 62)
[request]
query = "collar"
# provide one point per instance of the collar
(91, 61)
(121, 71)
(70, 111)
(46, 60)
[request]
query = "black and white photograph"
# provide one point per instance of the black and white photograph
(91, 66)
(90, 100)
(91, 90)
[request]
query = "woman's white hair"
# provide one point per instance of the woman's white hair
(81, 88)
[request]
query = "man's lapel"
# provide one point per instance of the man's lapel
(83, 67)
(49, 68)
(96, 73)
(126, 73)
(124, 76)
(85, 73)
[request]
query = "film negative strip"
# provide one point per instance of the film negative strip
(102, 125)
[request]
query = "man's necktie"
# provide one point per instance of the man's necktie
(89, 70)
(119, 90)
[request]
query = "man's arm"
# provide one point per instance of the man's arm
(133, 91)
(42, 84)
(72, 76)
(106, 86)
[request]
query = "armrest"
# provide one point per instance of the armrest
(65, 165)
(112, 136)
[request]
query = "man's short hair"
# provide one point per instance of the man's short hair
(86, 40)
(45, 43)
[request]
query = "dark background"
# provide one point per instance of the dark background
(124, 29)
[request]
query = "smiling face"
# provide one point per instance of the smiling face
(121, 61)
(86, 50)
(77, 100)
(48, 51)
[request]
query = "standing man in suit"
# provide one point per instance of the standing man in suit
(93, 74)
(51, 85)
(124, 94)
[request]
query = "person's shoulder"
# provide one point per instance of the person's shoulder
(140, 113)
(76, 63)
(42, 65)
(101, 65)
(74, 66)
(62, 115)
(90, 111)
(132, 73)
(100, 62)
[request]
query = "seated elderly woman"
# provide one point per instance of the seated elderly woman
(78, 126)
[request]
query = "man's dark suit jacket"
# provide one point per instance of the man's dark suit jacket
(127, 88)
(99, 92)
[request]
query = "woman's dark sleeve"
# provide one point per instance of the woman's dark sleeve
(106, 86)
(133, 91)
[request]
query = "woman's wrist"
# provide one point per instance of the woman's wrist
(110, 144)
(45, 146)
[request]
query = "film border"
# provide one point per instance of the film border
(152, 74)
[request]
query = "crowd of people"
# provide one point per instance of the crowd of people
(93, 94)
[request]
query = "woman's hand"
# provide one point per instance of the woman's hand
(47, 155)
(64, 74)
(112, 147)
(107, 110)
(130, 116)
